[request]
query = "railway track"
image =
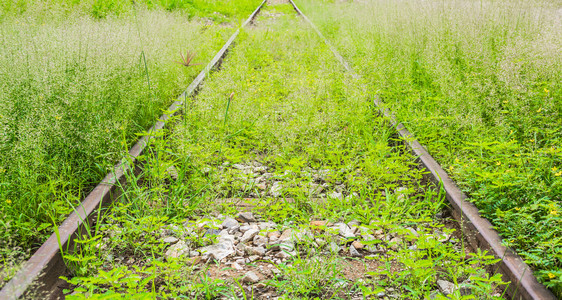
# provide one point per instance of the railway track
(39, 275)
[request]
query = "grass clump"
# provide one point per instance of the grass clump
(478, 83)
(74, 93)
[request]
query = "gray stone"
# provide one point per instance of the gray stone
(248, 235)
(413, 231)
(334, 247)
(172, 172)
(255, 251)
(244, 228)
(211, 232)
(246, 217)
(260, 240)
(229, 223)
(240, 261)
(344, 230)
(287, 246)
(169, 240)
(250, 277)
(275, 190)
(285, 255)
(316, 189)
(354, 252)
(336, 195)
(177, 250)
(260, 169)
(287, 234)
(218, 251)
(465, 288)
(395, 243)
(236, 266)
(446, 287)
(240, 166)
(433, 295)
(253, 258)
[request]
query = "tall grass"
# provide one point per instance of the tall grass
(479, 83)
(216, 10)
(73, 95)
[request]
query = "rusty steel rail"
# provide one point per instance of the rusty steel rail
(38, 276)
(478, 230)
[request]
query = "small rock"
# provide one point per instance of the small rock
(177, 250)
(353, 252)
(336, 195)
(236, 266)
(229, 223)
(244, 228)
(248, 235)
(316, 189)
(253, 258)
(357, 245)
(255, 251)
(246, 217)
(284, 255)
(287, 245)
(173, 172)
(433, 295)
(211, 232)
(344, 230)
(240, 261)
(334, 247)
(240, 166)
(250, 277)
(271, 234)
(381, 294)
(169, 239)
(395, 243)
(465, 289)
(260, 240)
(287, 234)
(194, 253)
(446, 287)
(261, 186)
(276, 189)
(413, 231)
(218, 251)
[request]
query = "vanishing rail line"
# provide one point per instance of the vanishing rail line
(40, 273)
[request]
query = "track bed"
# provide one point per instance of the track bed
(280, 181)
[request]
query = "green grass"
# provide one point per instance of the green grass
(74, 92)
(478, 83)
(218, 11)
(294, 111)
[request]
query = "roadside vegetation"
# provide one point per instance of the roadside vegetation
(75, 89)
(289, 136)
(479, 84)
